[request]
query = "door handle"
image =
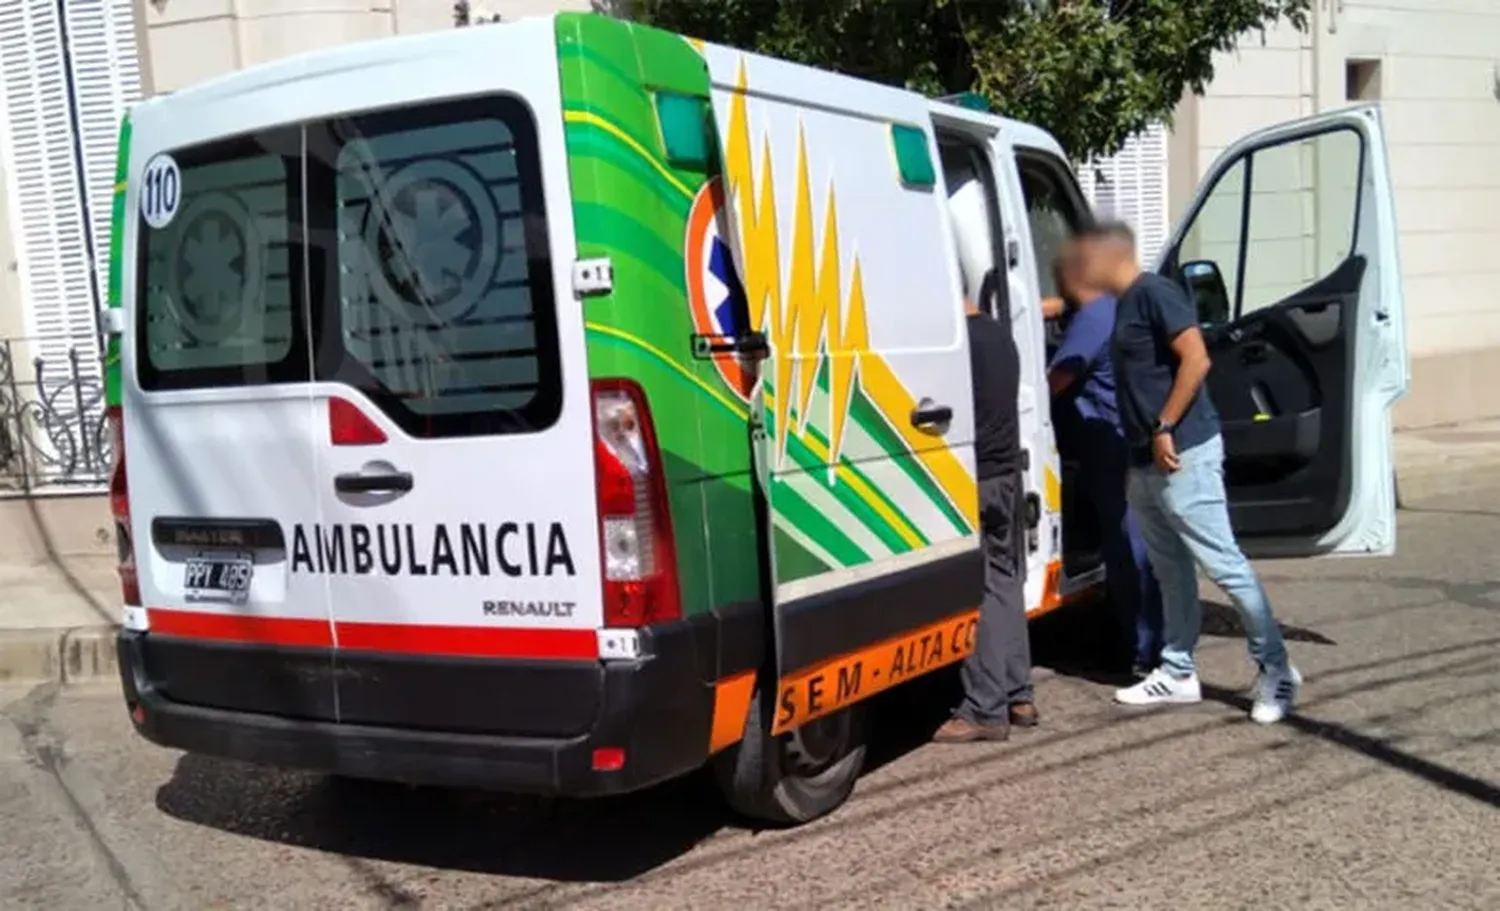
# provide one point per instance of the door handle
(928, 413)
(1255, 353)
(752, 345)
(387, 482)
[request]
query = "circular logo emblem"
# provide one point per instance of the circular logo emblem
(218, 268)
(716, 297)
(435, 240)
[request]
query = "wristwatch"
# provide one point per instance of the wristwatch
(1163, 427)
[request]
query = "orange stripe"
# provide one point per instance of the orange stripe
(731, 709)
(1052, 588)
(828, 687)
(1052, 596)
(839, 682)
(400, 638)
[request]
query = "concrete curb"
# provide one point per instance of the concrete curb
(58, 655)
(1471, 471)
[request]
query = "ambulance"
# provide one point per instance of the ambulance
(559, 407)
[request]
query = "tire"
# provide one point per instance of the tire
(798, 776)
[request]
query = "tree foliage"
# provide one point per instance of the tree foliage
(1093, 72)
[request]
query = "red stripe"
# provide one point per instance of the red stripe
(399, 638)
(240, 628)
(476, 641)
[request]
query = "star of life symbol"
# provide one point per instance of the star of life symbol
(434, 236)
(724, 286)
(217, 268)
(716, 297)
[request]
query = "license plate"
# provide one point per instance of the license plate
(222, 578)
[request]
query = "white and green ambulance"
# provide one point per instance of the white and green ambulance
(559, 406)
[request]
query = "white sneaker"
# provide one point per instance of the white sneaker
(1274, 694)
(1161, 688)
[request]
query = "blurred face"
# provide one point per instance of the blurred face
(1070, 279)
(1099, 262)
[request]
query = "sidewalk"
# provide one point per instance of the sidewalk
(57, 621)
(1438, 460)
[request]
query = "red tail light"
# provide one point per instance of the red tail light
(635, 524)
(348, 426)
(119, 506)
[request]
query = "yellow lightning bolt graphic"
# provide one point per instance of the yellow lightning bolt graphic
(810, 319)
(808, 324)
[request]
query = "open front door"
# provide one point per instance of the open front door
(1290, 251)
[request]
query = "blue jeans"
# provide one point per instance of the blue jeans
(1184, 517)
(1132, 587)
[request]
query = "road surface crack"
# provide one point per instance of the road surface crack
(44, 749)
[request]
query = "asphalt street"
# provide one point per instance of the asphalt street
(1381, 792)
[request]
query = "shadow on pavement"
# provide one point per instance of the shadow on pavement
(602, 841)
(608, 840)
(1081, 640)
(1223, 620)
(605, 840)
(1379, 749)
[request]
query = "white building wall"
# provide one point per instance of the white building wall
(194, 40)
(1441, 102)
(12, 320)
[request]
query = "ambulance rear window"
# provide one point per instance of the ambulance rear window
(403, 253)
(218, 302)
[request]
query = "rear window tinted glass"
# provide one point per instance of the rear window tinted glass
(437, 305)
(216, 297)
(428, 281)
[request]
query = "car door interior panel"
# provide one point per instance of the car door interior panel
(1282, 379)
(1289, 252)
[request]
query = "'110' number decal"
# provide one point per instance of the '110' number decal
(161, 191)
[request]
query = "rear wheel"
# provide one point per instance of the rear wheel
(798, 776)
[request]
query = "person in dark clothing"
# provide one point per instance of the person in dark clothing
(1081, 377)
(997, 674)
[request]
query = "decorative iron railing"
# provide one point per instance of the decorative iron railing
(53, 434)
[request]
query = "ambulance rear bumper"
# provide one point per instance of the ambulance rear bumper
(656, 710)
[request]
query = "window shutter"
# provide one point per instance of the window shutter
(47, 206)
(1132, 187)
(105, 65)
(67, 73)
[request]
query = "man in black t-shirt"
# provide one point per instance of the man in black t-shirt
(1175, 482)
(997, 674)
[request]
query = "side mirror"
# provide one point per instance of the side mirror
(1205, 283)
